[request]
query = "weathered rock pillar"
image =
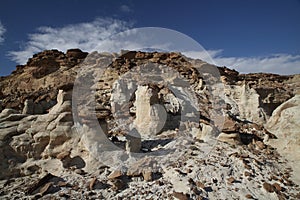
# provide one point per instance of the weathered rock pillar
(28, 107)
(150, 115)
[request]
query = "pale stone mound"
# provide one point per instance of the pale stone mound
(285, 125)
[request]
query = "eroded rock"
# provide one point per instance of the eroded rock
(44, 137)
(150, 115)
(285, 125)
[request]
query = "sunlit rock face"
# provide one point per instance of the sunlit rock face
(285, 125)
(128, 137)
(150, 115)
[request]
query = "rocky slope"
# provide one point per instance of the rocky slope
(146, 125)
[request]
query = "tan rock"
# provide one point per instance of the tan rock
(63, 103)
(117, 184)
(28, 107)
(43, 138)
(180, 196)
(115, 174)
(277, 187)
(26, 123)
(246, 100)
(76, 54)
(268, 187)
(231, 180)
(46, 188)
(6, 133)
(260, 145)
(230, 125)
(147, 174)
(232, 138)
(285, 125)
(63, 155)
(200, 184)
(22, 144)
(206, 133)
(92, 183)
(150, 116)
(6, 112)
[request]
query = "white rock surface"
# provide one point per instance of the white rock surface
(245, 103)
(150, 116)
(285, 124)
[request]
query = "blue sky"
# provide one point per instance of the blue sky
(250, 35)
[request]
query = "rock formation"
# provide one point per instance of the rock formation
(146, 125)
(40, 79)
(284, 124)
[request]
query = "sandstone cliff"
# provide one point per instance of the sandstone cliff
(146, 124)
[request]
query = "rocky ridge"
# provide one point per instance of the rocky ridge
(42, 147)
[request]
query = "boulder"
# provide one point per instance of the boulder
(230, 138)
(285, 125)
(150, 115)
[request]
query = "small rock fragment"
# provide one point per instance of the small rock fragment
(117, 184)
(40, 183)
(79, 171)
(200, 185)
(115, 174)
(231, 180)
(45, 188)
(62, 183)
(260, 145)
(92, 183)
(147, 174)
(277, 187)
(75, 187)
(62, 155)
(268, 187)
(246, 173)
(230, 138)
(180, 196)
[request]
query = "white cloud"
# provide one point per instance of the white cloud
(2, 31)
(85, 36)
(277, 63)
(206, 55)
(93, 35)
(125, 8)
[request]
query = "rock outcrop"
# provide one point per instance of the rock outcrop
(146, 124)
(285, 125)
(40, 79)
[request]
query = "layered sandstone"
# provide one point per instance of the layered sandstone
(146, 124)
